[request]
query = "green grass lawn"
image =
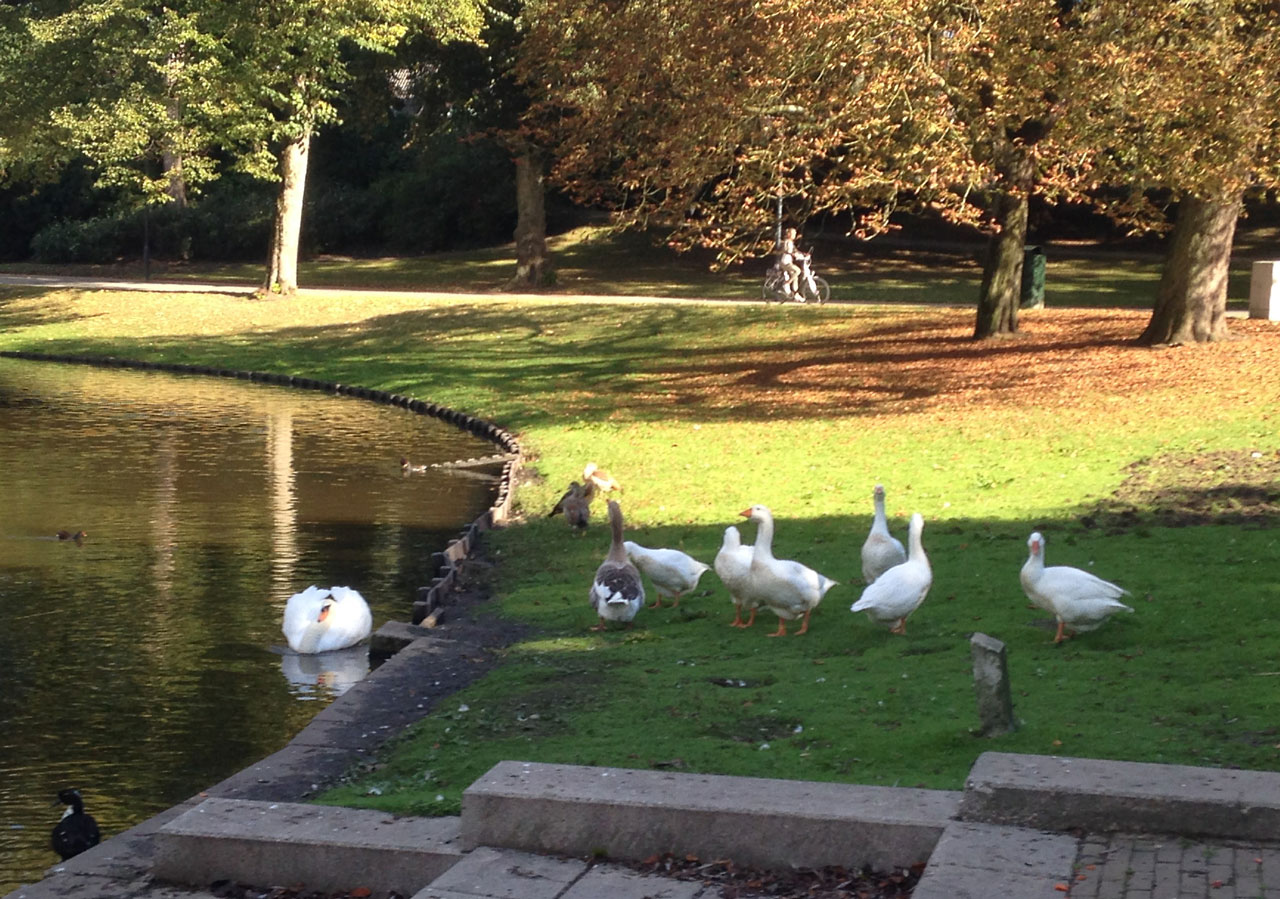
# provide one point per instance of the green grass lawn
(702, 409)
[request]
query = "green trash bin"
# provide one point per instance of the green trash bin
(1032, 294)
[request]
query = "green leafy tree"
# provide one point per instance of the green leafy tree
(156, 95)
(471, 89)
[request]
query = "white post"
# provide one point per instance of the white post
(1264, 290)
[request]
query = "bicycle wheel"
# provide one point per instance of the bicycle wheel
(772, 288)
(824, 289)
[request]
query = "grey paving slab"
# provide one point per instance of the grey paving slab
(620, 883)
(505, 874)
(992, 860)
(632, 814)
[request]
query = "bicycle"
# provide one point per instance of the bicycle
(813, 288)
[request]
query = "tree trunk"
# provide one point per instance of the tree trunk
(175, 185)
(532, 265)
(282, 266)
(1191, 304)
(171, 161)
(1002, 269)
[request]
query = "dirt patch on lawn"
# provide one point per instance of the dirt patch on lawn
(1180, 490)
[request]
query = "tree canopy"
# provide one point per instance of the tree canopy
(157, 96)
(701, 118)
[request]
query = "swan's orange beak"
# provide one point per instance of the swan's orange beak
(324, 612)
(745, 513)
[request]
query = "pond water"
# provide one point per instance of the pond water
(145, 662)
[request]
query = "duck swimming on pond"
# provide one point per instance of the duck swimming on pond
(77, 536)
(76, 831)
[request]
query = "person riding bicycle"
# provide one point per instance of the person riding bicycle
(788, 255)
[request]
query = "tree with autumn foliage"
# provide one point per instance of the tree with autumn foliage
(701, 117)
(1185, 103)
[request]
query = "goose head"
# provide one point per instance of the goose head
(1035, 544)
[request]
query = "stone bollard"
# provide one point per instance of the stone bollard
(991, 686)
(1264, 290)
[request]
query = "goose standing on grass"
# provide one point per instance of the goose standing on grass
(881, 550)
(617, 592)
(76, 831)
(673, 573)
(575, 505)
(733, 566)
(599, 479)
(1079, 600)
(788, 589)
(898, 592)
(318, 620)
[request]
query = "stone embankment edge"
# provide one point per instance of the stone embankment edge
(456, 550)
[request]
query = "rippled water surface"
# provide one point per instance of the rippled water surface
(145, 662)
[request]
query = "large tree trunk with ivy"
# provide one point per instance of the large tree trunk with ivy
(1191, 304)
(532, 264)
(1002, 269)
(286, 236)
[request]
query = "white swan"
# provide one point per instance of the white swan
(318, 620)
(894, 595)
(1079, 600)
(617, 593)
(733, 566)
(881, 550)
(674, 573)
(790, 590)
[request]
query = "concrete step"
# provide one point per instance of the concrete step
(982, 861)
(1057, 793)
(321, 847)
(630, 814)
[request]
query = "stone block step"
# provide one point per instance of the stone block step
(321, 847)
(983, 861)
(630, 814)
(1057, 793)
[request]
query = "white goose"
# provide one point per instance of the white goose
(790, 590)
(733, 566)
(1079, 600)
(881, 550)
(318, 620)
(674, 573)
(600, 479)
(894, 595)
(617, 593)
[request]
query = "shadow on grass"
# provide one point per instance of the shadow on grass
(15, 320)
(636, 362)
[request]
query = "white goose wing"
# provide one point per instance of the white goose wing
(896, 593)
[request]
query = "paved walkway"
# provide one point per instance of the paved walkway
(1129, 866)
